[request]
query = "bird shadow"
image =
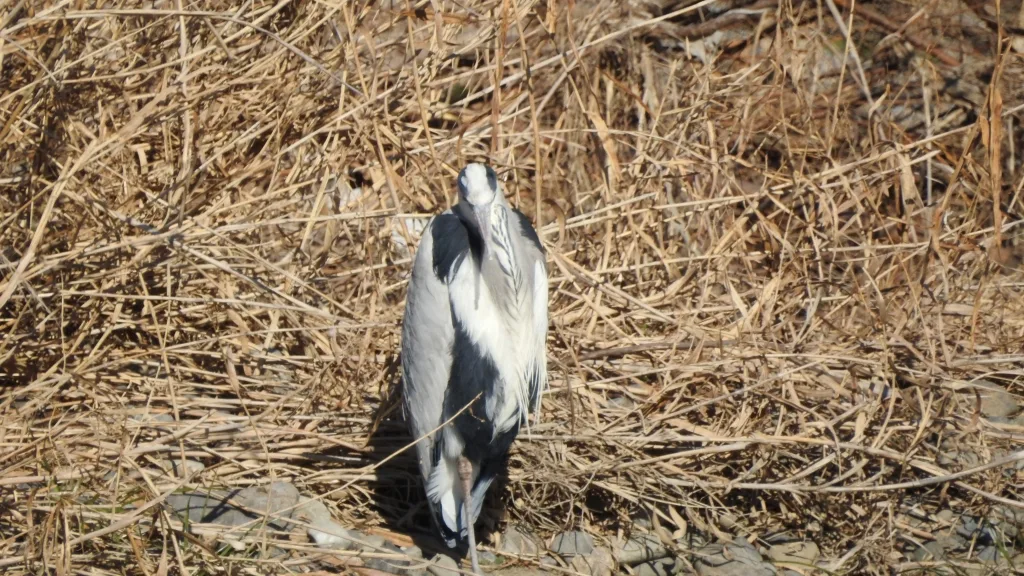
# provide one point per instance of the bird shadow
(398, 489)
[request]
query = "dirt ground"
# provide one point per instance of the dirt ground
(786, 263)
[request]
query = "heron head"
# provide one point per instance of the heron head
(478, 196)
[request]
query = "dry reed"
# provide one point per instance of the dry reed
(783, 250)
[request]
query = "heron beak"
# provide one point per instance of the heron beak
(482, 215)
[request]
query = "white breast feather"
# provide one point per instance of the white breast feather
(486, 327)
(516, 347)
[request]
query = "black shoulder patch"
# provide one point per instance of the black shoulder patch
(451, 244)
(528, 231)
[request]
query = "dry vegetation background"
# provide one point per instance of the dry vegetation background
(784, 243)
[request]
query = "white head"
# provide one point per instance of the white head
(478, 185)
(479, 195)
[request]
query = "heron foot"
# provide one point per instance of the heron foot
(466, 476)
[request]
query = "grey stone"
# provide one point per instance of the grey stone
(913, 520)
(728, 521)
(622, 402)
(737, 558)
(946, 515)
(967, 526)
(641, 549)
(274, 502)
(515, 541)
(971, 528)
(952, 452)
(391, 565)
(372, 542)
(662, 567)
(572, 543)
(442, 565)
(548, 561)
(1009, 520)
(486, 557)
(413, 552)
(780, 538)
(996, 402)
(988, 554)
(794, 552)
(930, 551)
(322, 529)
(598, 562)
(642, 519)
(991, 561)
(952, 542)
(190, 468)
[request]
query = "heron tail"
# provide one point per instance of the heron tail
(445, 499)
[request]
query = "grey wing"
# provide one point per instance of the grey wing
(536, 263)
(427, 335)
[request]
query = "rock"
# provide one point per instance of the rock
(728, 521)
(413, 552)
(598, 562)
(779, 538)
(1008, 470)
(794, 552)
(572, 543)
(371, 542)
(641, 549)
(323, 530)
(952, 542)
(515, 541)
(996, 402)
(946, 516)
(737, 558)
(274, 501)
(951, 452)
(406, 566)
(1008, 520)
(622, 403)
(442, 565)
(662, 567)
(991, 561)
(271, 499)
(969, 528)
(486, 557)
(931, 551)
(988, 554)
(642, 518)
(391, 565)
(190, 468)
(913, 520)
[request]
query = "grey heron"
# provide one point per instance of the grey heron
(473, 340)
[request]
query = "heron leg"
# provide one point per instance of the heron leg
(466, 476)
